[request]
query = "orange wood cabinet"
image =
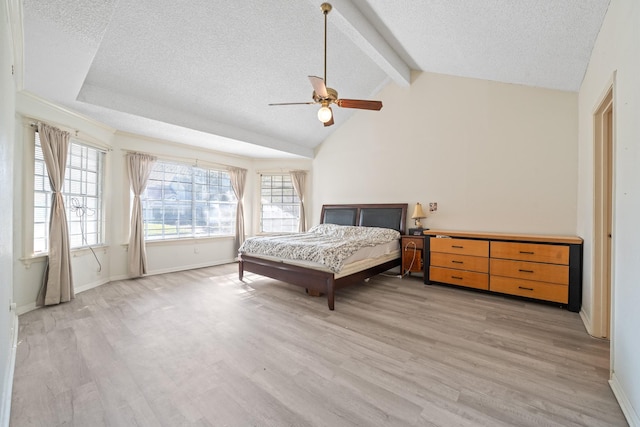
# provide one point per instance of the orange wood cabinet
(547, 268)
(460, 262)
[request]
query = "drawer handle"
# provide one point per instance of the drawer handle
(527, 252)
(457, 246)
(526, 289)
(457, 262)
(456, 277)
(526, 271)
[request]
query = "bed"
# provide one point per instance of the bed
(318, 279)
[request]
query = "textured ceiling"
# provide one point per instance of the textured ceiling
(202, 72)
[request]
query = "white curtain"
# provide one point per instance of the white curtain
(298, 179)
(238, 180)
(139, 167)
(57, 284)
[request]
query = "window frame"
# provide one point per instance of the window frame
(206, 166)
(29, 129)
(76, 175)
(260, 204)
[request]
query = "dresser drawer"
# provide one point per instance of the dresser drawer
(460, 262)
(460, 246)
(554, 254)
(550, 273)
(530, 289)
(469, 279)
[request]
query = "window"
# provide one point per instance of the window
(280, 205)
(183, 201)
(82, 192)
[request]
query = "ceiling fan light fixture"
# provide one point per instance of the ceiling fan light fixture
(326, 96)
(324, 114)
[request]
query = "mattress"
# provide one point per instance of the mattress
(331, 245)
(363, 259)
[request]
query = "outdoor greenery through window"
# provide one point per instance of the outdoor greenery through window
(280, 205)
(183, 201)
(82, 192)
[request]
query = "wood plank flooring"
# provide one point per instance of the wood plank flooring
(201, 348)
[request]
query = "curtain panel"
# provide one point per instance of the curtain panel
(57, 283)
(238, 181)
(298, 179)
(139, 167)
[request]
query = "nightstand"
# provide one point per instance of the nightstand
(412, 254)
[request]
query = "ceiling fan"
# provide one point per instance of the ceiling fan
(325, 96)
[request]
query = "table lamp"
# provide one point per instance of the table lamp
(418, 214)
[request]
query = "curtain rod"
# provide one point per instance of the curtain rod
(35, 125)
(92, 141)
(277, 171)
(191, 160)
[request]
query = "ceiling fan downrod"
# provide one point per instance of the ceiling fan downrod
(326, 8)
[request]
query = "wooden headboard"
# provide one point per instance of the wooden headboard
(387, 215)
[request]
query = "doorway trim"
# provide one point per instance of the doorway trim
(603, 214)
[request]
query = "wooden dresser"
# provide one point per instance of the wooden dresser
(547, 268)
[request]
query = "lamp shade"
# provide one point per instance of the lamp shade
(418, 212)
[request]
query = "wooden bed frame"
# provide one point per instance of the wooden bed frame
(392, 215)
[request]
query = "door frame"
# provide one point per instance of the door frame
(603, 214)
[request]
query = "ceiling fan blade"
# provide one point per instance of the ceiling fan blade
(318, 86)
(359, 103)
(293, 103)
(330, 122)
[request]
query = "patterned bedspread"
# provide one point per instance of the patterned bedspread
(326, 244)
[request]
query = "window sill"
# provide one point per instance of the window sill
(29, 260)
(182, 241)
(33, 259)
(87, 249)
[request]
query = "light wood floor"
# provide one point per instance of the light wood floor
(200, 348)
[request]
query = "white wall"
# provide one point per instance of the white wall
(168, 255)
(7, 126)
(616, 50)
(28, 272)
(278, 166)
(164, 256)
(189, 253)
(494, 156)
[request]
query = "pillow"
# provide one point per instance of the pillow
(350, 231)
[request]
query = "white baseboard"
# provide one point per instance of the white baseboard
(7, 387)
(26, 308)
(189, 267)
(91, 285)
(586, 320)
(32, 306)
(627, 408)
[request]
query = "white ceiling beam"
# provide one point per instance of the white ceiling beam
(354, 25)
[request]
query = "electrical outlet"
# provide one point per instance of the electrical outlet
(433, 206)
(196, 250)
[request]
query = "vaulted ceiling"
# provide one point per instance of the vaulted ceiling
(202, 72)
